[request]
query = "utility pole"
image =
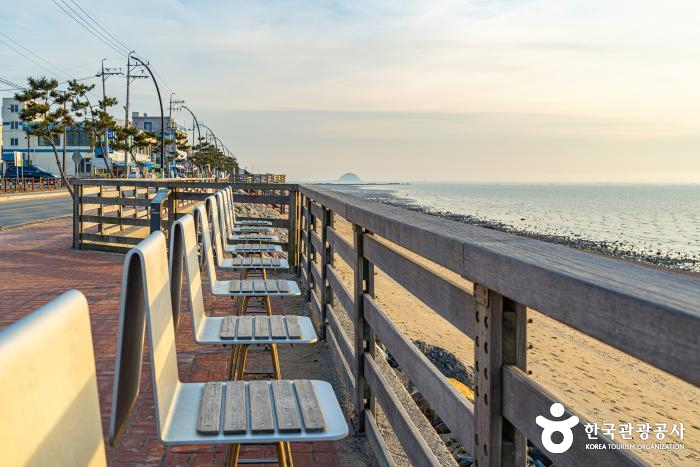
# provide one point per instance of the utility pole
(171, 123)
(129, 79)
(104, 74)
(64, 143)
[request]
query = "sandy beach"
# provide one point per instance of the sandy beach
(588, 376)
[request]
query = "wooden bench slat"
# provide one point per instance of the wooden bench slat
(310, 408)
(277, 330)
(260, 408)
(209, 419)
(228, 328)
(293, 327)
(235, 408)
(262, 329)
(285, 407)
(245, 327)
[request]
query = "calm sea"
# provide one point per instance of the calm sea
(657, 223)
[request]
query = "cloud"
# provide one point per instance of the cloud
(426, 67)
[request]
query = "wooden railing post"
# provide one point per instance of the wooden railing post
(500, 340)
(100, 211)
(364, 337)
(292, 252)
(77, 212)
(310, 225)
(326, 255)
(172, 209)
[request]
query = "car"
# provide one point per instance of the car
(29, 171)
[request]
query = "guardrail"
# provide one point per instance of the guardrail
(112, 215)
(649, 314)
(12, 184)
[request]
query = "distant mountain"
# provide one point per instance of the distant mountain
(349, 177)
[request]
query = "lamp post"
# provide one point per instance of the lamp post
(163, 164)
(213, 136)
(199, 133)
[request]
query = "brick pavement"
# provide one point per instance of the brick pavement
(37, 264)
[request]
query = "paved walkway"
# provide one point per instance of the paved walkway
(37, 264)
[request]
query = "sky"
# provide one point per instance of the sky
(473, 90)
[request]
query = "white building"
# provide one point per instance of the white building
(80, 155)
(36, 150)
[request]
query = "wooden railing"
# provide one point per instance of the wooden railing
(649, 314)
(112, 215)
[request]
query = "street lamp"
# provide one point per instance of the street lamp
(162, 117)
(199, 133)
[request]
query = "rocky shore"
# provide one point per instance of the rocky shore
(618, 249)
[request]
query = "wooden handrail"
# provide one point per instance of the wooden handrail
(650, 314)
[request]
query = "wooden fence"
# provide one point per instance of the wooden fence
(649, 314)
(112, 215)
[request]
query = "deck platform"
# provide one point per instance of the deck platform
(37, 264)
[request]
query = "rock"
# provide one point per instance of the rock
(425, 408)
(538, 457)
(441, 428)
(447, 363)
(462, 388)
(464, 459)
(391, 360)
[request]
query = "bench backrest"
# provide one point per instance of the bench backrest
(183, 249)
(145, 303)
(222, 208)
(232, 207)
(200, 213)
(48, 388)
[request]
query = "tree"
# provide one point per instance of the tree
(46, 115)
(209, 158)
(97, 120)
(127, 139)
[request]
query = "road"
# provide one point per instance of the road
(31, 210)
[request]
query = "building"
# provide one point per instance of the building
(80, 154)
(36, 150)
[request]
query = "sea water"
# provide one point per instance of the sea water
(657, 223)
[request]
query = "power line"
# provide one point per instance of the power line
(88, 27)
(35, 54)
(99, 33)
(10, 83)
(28, 58)
(162, 80)
(99, 23)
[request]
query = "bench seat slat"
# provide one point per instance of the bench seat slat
(228, 328)
(260, 408)
(209, 419)
(235, 408)
(245, 327)
(285, 407)
(293, 327)
(277, 330)
(310, 408)
(262, 329)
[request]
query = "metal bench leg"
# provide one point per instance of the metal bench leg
(281, 455)
(232, 453)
